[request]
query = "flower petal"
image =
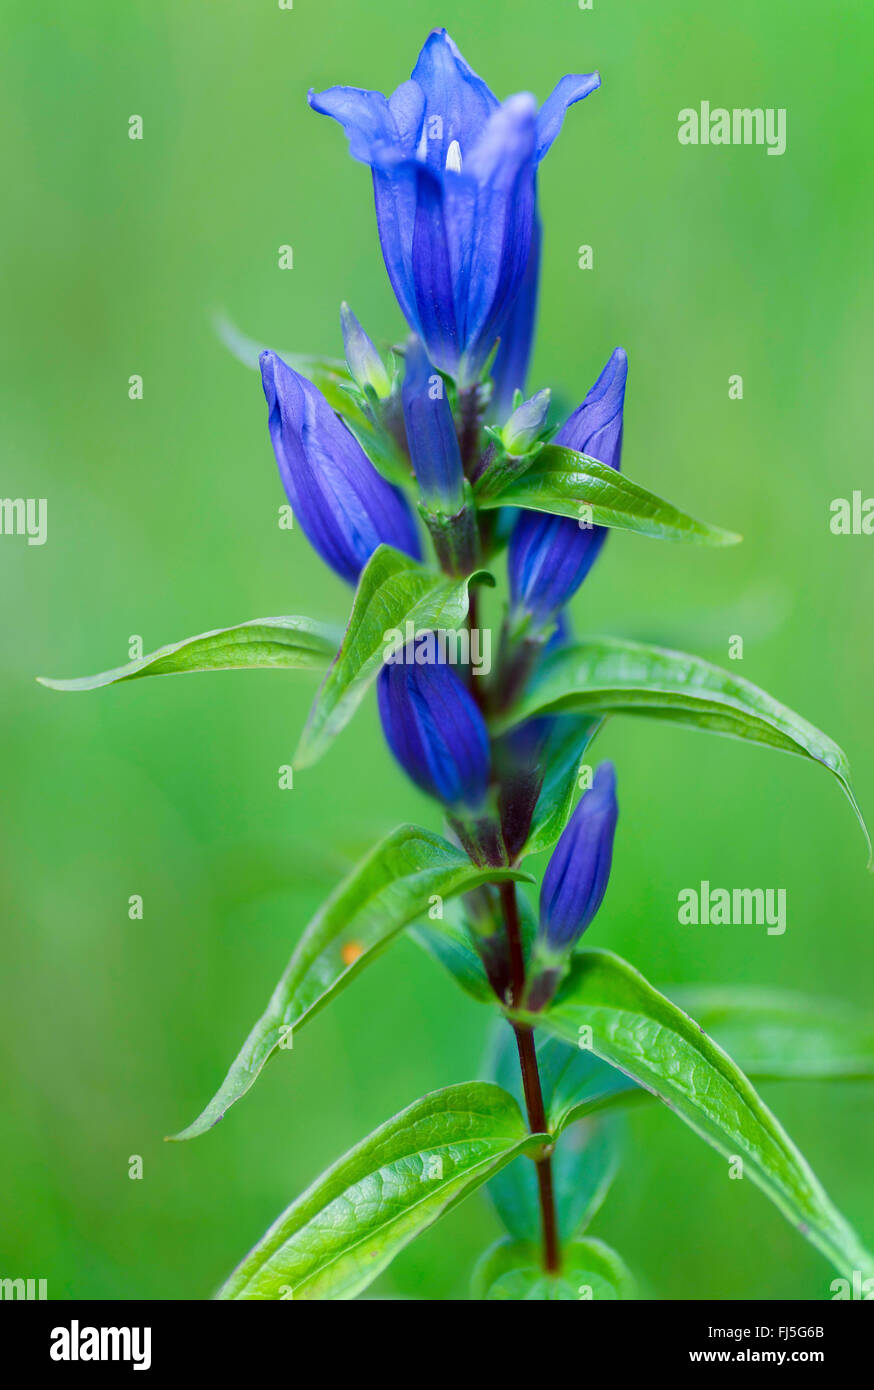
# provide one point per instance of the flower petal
(595, 428)
(517, 335)
(366, 117)
(499, 237)
(551, 114)
(432, 274)
(453, 93)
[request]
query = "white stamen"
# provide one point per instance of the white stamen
(453, 157)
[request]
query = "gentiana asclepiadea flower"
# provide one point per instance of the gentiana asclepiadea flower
(434, 727)
(550, 556)
(345, 508)
(577, 874)
(454, 177)
(431, 435)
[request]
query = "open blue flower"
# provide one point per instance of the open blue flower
(345, 508)
(454, 173)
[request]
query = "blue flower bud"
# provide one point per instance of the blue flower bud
(364, 362)
(526, 424)
(431, 436)
(595, 428)
(434, 728)
(550, 556)
(345, 508)
(576, 876)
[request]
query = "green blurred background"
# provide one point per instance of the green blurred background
(163, 522)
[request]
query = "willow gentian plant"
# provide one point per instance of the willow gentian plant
(410, 473)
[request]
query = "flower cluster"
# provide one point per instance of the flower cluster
(455, 184)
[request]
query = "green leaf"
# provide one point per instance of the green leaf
(563, 482)
(566, 743)
(393, 590)
(388, 890)
(448, 942)
(345, 1229)
(771, 1035)
(775, 1035)
(603, 675)
(264, 644)
(590, 1270)
(644, 1035)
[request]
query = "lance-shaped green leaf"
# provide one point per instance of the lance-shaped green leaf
(608, 1005)
(772, 1035)
(776, 1035)
(604, 675)
(345, 1229)
(566, 483)
(396, 597)
(566, 743)
(590, 1270)
(264, 644)
(389, 889)
(448, 941)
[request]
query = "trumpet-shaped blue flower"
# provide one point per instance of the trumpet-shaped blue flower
(550, 556)
(454, 176)
(345, 507)
(576, 876)
(435, 729)
(431, 436)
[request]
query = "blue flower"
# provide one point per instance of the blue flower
(434, 728)
(550, 556)
(576, 876)
(431, 436)
(510, 368)
(454, 176)
(345, 507)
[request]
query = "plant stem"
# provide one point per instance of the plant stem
(469, 413)
(530, 1079)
